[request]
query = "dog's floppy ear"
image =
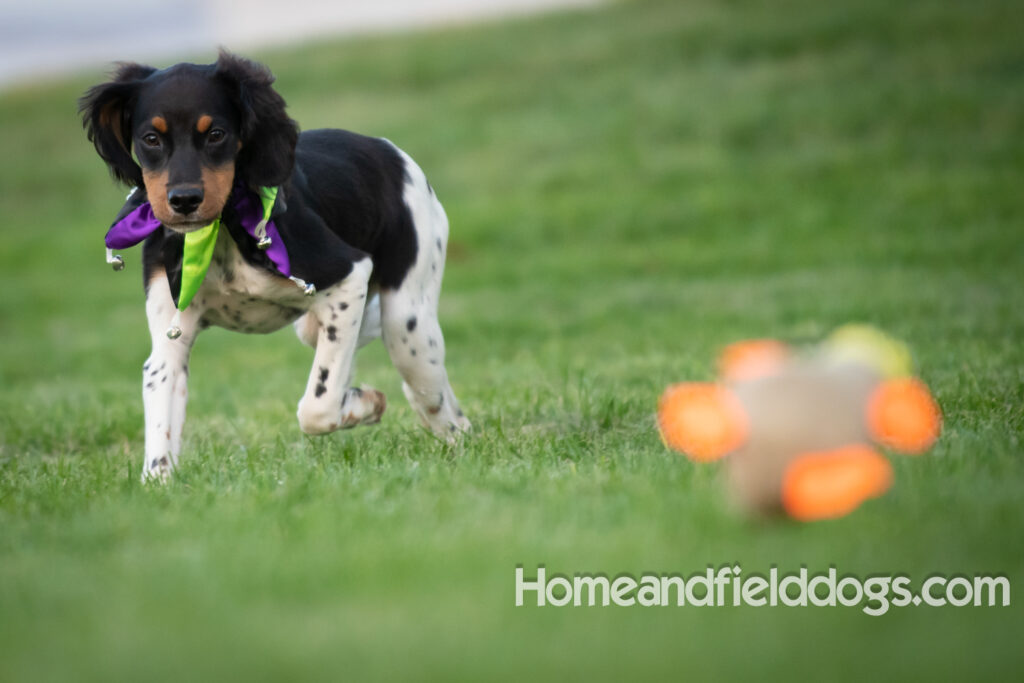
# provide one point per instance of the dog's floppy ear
(106, 115)
(268, 135)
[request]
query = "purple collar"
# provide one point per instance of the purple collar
(252, 211)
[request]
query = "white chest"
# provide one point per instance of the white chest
(239, 297)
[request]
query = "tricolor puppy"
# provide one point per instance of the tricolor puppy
(250, 225)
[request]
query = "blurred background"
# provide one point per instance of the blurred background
(630, 186)
(55, 37)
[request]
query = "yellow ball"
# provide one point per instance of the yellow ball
(872, 347)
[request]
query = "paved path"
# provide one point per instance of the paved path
(54, 37)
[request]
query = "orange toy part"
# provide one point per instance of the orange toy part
(750, 359)
(902, 415)
(704, 421)
(830, 484)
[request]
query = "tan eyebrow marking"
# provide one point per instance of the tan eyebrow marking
(204, 123)
(159, 123)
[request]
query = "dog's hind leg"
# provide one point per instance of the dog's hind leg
(307, 329)
(165, 379)
(409, 324)
(329, 402)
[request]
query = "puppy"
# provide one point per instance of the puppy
(338, 233)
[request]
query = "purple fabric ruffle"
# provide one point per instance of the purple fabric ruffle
(250, 212)
(133, 228)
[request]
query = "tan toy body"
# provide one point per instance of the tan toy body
(809, 406)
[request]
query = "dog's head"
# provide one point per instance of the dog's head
(193, 129)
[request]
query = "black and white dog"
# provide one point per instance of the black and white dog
(362, 227)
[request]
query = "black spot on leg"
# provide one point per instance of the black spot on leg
(433, 361)
(410, 324)
(342, 306)
(154, 463)
(164, 461)
(412, 351)
(320, 390)
(431, 342)
(332, 333)
(163, 379)
(324, 374)
(440, 247)
(150, 385)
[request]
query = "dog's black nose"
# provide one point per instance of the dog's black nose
(185, 200)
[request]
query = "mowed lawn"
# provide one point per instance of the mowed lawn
(629, 188)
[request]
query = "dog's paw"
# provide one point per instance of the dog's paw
(157, 470)
(440, 413)
(462, 423)
(359, 406)
(457, 427)
(362, 406)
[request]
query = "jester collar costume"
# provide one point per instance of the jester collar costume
(254, 210)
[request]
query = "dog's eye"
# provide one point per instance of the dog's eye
(151, 139)
(215, 135)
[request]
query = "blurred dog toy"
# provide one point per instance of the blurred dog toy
(800, 426)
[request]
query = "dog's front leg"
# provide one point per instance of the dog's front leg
(165, 379)
(329, 403)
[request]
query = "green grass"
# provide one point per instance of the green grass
(629, 189)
